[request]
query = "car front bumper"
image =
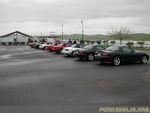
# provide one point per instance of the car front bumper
(103, 59)
(81, 55)
(66, 52)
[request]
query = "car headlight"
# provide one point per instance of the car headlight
(97, 54)
(77, 52)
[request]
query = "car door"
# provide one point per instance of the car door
(98, 48)
(92, 50)
(127, 54)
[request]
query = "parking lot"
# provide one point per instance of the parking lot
(40, 78)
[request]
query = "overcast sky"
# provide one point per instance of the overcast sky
(99, 16)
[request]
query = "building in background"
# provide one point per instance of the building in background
(16, 38)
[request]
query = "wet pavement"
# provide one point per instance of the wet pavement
(30, 77)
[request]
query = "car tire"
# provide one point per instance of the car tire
(60, 51)
(44, 48)
(144, 60)
(90, 57)
(102, 62)
(116, 61)
(67, 55)
(80, 59)
(73, 54)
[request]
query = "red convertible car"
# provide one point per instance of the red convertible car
(31, 45)
(49, 47)
(59, 48)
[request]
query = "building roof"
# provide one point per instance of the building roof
(16, 32)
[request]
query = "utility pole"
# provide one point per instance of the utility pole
(62, 36)
(82, 30)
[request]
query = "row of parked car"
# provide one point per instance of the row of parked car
(115, 55)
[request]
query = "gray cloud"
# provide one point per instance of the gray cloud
(99, 15)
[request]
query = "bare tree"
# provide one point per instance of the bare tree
(120, 33)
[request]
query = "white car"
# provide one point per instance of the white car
(70, 51)
(42, 46)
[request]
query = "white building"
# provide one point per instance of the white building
(15, 38)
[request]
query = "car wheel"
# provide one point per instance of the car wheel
(144, 59)
(90, 57)
(116, 61)
(60, 51)
(80, 58)
(102, 62)
(44, 48)
(73, 53)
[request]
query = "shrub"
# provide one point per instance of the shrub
(99, 42)
(105, 42)
(82, 41)
(113, 42)
(130, 44)
(87, 41)
(141, 43)
(92, 42)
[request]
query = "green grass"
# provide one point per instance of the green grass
(135, 37)
(141, 49)
(86, 37)
(139, 37)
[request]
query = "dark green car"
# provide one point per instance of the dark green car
(119, 54)
(88, 52)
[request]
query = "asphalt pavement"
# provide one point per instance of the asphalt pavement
(31, 77)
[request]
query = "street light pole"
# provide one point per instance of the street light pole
(62, 36)
(82, 30)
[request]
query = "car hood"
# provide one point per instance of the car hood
(50, 46)
(58, 46)
(106, 51)
(141, 52)
(82, 49)
(68, 48)
(43, 44)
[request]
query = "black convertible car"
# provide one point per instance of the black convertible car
(119, 54)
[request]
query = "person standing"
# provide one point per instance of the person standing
(74, 42)
(69, 42)
(77, 41)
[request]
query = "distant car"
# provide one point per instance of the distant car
(70, 51)
(31, 45)
(88, 52)
(35, 45)
(49, 47)
(44, 45)
(59, 48)
(118, 54)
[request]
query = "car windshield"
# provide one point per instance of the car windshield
(74, 45)
(112, 48)
(127, 50)
(88, 47)
(54, 44)
(62, 44)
